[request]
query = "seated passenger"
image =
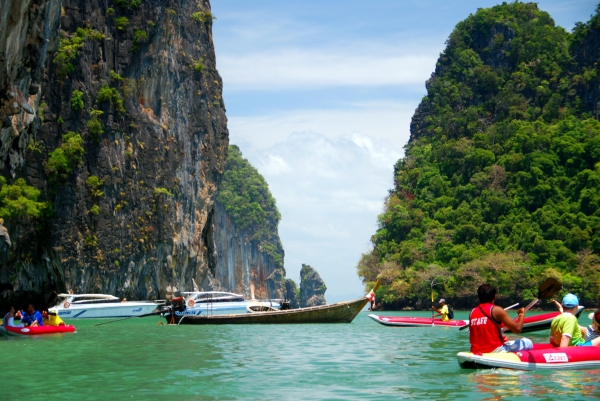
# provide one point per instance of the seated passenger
(31, 317)
(9, 319)
(52, 319)
(592, 332)
(565, 330)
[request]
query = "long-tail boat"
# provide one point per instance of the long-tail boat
(341, 312)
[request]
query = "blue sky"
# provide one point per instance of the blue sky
(319, 96)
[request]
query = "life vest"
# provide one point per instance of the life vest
(484, 333)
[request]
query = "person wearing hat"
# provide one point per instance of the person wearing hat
(564, 329)
(443, 311)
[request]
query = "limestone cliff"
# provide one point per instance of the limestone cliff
(240, 261)
(117, 117)
(312, 287)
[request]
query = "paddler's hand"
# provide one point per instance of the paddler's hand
(433, 307)
(520, 312)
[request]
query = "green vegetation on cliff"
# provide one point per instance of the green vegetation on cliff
(501, 177)
(245, 195)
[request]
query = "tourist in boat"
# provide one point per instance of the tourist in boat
(9, 319)
(485, 333)
(52, 319)
(592, 332)
(443, 311)
(565, 330)
(31, 317)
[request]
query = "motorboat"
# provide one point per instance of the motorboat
(542, 356)
(219, 302)
(16, 331)
(78, 306)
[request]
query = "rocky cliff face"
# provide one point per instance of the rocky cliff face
(312, 287)
(240, 262)
(27, 28)
(136, 81)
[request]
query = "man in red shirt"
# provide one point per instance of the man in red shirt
(485, 320)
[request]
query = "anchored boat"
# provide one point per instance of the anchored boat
(219, 302)
(77, 306)
(341, 312)
(542, 356)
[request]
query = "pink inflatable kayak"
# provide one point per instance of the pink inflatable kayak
(414, 321)
(531, 323)
(542, 356)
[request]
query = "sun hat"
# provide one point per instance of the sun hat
(442, 300)
(570, 301)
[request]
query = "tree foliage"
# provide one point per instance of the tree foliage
(501, 177)
(65, 158)
(245, 195)
(20, 200)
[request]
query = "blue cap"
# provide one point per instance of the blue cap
(570, 301)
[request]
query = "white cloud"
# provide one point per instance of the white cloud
(389, 121)
(312, 69)
(329, 195)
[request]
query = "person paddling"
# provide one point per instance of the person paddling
(443, 311)
(485, 333)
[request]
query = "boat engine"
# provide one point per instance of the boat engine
(178, 304)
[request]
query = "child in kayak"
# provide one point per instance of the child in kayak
(565, 330)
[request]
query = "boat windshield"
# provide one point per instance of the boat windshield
(207, 297)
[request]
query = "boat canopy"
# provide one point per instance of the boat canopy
(213, 296)
(88, 296)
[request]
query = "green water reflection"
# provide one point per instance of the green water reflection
(139, 359)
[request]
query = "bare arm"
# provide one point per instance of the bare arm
(558, 305)
(565, 341)
(501, 316)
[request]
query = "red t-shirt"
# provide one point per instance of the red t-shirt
(484, 334)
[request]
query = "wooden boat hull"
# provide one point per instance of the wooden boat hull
(542, 356)
(342, 312)
(11, 331)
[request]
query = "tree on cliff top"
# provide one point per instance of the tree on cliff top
(245, 195)
(501, 178)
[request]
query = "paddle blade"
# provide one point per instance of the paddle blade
(549, 288)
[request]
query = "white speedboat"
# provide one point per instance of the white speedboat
(77, 306)
(219, 303)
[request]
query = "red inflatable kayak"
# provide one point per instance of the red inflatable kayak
(542, 356)
(34, 331)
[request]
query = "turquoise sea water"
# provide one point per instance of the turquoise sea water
(141, 360)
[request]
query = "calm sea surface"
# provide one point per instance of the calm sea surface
(142, 360)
